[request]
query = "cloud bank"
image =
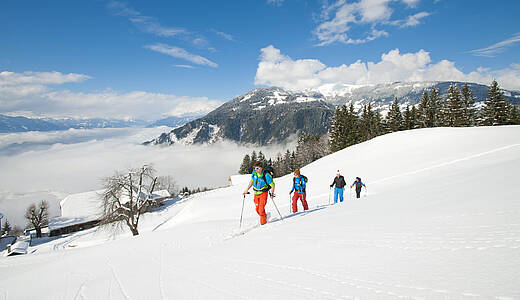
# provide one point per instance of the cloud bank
(277, 69)
(30, 94)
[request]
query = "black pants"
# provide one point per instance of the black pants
(358, 193)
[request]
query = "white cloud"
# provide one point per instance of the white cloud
(275, 2)
(151, 25)
(144, 23)
(411, 21)
(497, 48)
(339, 19)
(276, 69)
(29, 92)
(224, 35)
(184, 66)
(181, 53)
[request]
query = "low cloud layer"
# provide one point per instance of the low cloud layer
(49, 166)
(277, 69)
(34, 94)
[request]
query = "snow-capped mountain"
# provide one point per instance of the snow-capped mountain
(10, 124)
(23, 124)
(266, 115)
(173, 121)
(408, 93)
(262, 116)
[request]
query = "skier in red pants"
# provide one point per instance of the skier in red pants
(299, 183)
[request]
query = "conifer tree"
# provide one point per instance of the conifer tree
(434, 118)
(514, 115)
(423, 111)
(245, 167)
(453, 108)
(336, 130)
(469, 110)
(6, 229)
(254, 158)
(394, 117)
(352, 127)
(368, 126)
(413, 115)
(496, 109)
(407, 118)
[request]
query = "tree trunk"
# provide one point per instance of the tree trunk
(134, 231)
(38, 232)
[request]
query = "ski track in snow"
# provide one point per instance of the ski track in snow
(446, 163)
(378, 288)
(5, 294)
(118, 280)
(162, 261)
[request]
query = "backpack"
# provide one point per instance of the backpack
(270, 170)
(305, 178)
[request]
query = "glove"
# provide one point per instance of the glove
(331, 185)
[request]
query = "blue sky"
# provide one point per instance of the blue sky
(151, 59)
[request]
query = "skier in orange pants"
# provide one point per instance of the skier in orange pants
(299, 184)
(262, 182)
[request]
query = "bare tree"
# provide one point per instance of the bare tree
(127, 196)
(167, 183)
(38, 217)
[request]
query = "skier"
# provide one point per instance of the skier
(262, 182)
(358, 185)
(299, 184)
(340, 183)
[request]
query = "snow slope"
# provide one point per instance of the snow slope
(441, 221)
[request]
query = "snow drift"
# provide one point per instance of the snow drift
(440, 221)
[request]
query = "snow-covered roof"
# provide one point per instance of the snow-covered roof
(19, 247)
(88, 206)
(82, 205)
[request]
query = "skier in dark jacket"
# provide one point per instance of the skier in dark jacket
(358, 185)
(340, 183)
(299, 184)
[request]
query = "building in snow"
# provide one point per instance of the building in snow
(84, 210)
(19, 247)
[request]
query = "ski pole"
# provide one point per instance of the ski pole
(330, 189)
(242, 212)
(276, 207)
(290, 203)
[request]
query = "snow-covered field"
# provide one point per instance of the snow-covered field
(441, 220)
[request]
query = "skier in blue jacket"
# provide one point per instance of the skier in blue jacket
(358, 185)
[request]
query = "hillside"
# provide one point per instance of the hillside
(440, 221)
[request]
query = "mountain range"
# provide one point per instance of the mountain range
(268, 115)
(9, 124)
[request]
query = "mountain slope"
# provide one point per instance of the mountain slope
(262, 116)
(440, 222)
